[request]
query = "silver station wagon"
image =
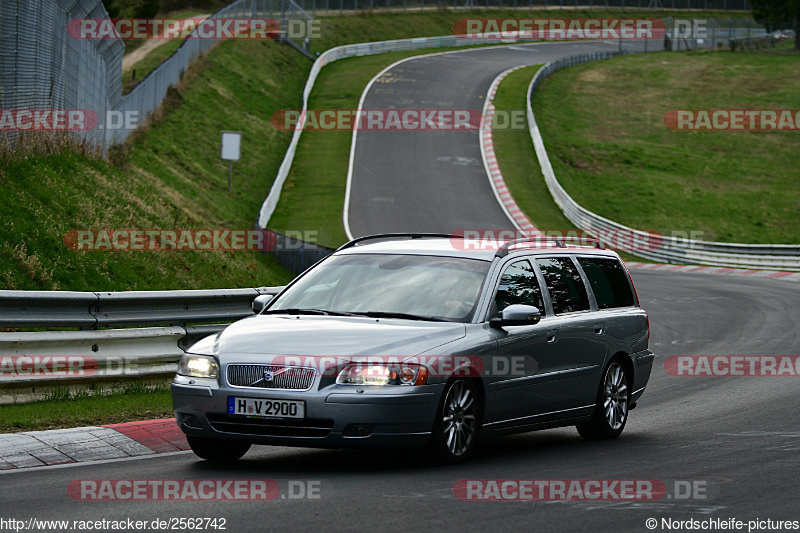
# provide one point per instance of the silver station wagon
(423, 340)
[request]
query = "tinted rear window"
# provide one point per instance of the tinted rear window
(609, 282)
(564, 284)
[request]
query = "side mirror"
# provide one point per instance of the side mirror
(261, 301)
(517, 315)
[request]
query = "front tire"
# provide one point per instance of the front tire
(611, 408)
(217, 450)
(457, 423)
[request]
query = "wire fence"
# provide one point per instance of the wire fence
(43, 67)
(148, 94)
(712, 33)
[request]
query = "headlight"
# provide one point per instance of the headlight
(198, 366)
(377, 374)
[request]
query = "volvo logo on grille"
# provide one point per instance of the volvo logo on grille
(269, 376)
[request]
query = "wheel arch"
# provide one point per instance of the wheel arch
(627, 364)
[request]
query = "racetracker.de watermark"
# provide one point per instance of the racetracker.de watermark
(42, 366)
(158, 240)
(54, 366)
(192, 490)
(67, 120)
(47, 119)
(733, 365)
(126, 29)
(559, 489)
(626, 239)
(376, 365)
(559, 29)
(643, 490)
(378, 119)
(733, 119)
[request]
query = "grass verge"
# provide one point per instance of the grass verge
(139, 70)
(133, 44)
(518, 163)
(616, 157)
(169, 177)
(65, 410)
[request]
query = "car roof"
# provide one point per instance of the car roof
(458, 247)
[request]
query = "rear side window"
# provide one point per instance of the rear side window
(609, 282)
(518, 285)
(564, 283)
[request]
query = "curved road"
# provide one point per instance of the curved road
(736, 439)
(435, 181)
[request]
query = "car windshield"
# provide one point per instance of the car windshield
(407, 286)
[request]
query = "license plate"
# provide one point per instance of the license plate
(266, 408)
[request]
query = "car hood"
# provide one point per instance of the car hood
(328, 335)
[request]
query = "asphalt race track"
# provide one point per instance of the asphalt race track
(435, 180)
(735, 439)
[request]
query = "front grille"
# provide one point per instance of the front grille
(282, 377)
(272, 428)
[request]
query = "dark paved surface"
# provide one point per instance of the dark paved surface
(738, 436)
(436, 181)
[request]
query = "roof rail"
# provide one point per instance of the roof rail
(398, 236)
(560, 242)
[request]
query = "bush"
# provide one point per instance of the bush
(112, 8)
(132, 8)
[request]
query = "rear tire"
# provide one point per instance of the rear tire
(457, 423)
(611, 407)
(217, 450)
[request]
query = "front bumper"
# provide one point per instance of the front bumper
(336, 416)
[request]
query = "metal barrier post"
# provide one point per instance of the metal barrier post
(714, 35)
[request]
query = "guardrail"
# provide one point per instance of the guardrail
(650, 246)
(92, 310)
(341, 52)
(34, 362)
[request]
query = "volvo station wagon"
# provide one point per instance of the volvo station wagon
(422, 340)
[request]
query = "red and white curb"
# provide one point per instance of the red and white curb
(490, 161)
(92, 443)
(700, 269)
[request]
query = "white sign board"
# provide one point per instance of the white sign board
(231, 145)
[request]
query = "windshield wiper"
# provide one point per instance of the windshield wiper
(296, 311)
(370, 314)
(407, 316)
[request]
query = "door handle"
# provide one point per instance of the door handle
(600, 328)
(552, 335)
